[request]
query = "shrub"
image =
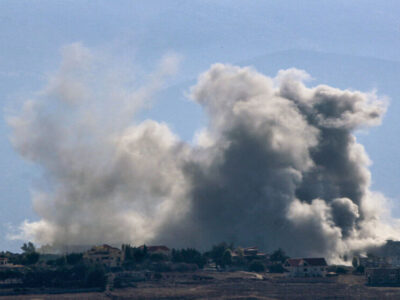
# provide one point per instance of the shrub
(341, 270)
(189, 255)
(279, 256)
(118, 282)
(158, 257)
(96, 277)
(30, 258)
(182, 267)
(256, 266)
(60, 261)
(360, 269)
(278, 268)
(161, 267)
(73, 258)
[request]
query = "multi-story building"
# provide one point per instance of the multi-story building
(104, 255)
(306, 267)
(383, 276)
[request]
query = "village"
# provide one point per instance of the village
(109, 270)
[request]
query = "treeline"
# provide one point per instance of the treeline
(29, 255)
(78, 276)
(223, 255)
(50, 271)
(134, 255)
(72, 271)
(178, 260)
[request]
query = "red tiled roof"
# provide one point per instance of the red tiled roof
(109, 247)
(294, 262)
(103, 248)
(317, 261)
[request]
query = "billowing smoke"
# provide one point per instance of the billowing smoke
(277, 165)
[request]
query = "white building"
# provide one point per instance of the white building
(3, 261)
(104, 255)
(306, 267)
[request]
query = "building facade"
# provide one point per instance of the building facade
(383, 276)
(3, 261)
(104, 255)
(306, 267)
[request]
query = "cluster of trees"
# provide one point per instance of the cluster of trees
(189, 256)
(135, 254)
(68, 259)
(78, 276)
(29, 255)
(221, 254)
(71, 271)
(62, 271)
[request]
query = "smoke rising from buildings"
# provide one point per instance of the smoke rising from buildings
(277, 165)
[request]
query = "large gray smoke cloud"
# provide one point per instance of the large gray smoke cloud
(277, 165)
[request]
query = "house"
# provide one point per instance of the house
(105, 255)
(372, 261)
(3, 261)
(383, 276)
(306, 267)
(161, 249)
(387, 256)
(248, 253)
(391, 251)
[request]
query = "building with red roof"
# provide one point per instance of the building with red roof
(159, 249)
(306, 267)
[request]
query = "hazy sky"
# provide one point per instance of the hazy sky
(347, 44)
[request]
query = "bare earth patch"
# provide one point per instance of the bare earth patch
(237, 286)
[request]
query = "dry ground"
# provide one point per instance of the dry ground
(238, 286)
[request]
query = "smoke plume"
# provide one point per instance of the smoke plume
(277, 165)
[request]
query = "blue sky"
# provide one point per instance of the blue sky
(346, 44)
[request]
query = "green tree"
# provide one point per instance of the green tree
(96, 277)
(128, 252)
(158, 257)
(28, 247)
(227, 258)
(140, 254)
(59, 262)
(256, 266)
(217, 253)
(73, 258)
(189, 255)
(30, 258)
(360, 269)
(279, 256)
(29, 255)
(355, 262)
(276, 268)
